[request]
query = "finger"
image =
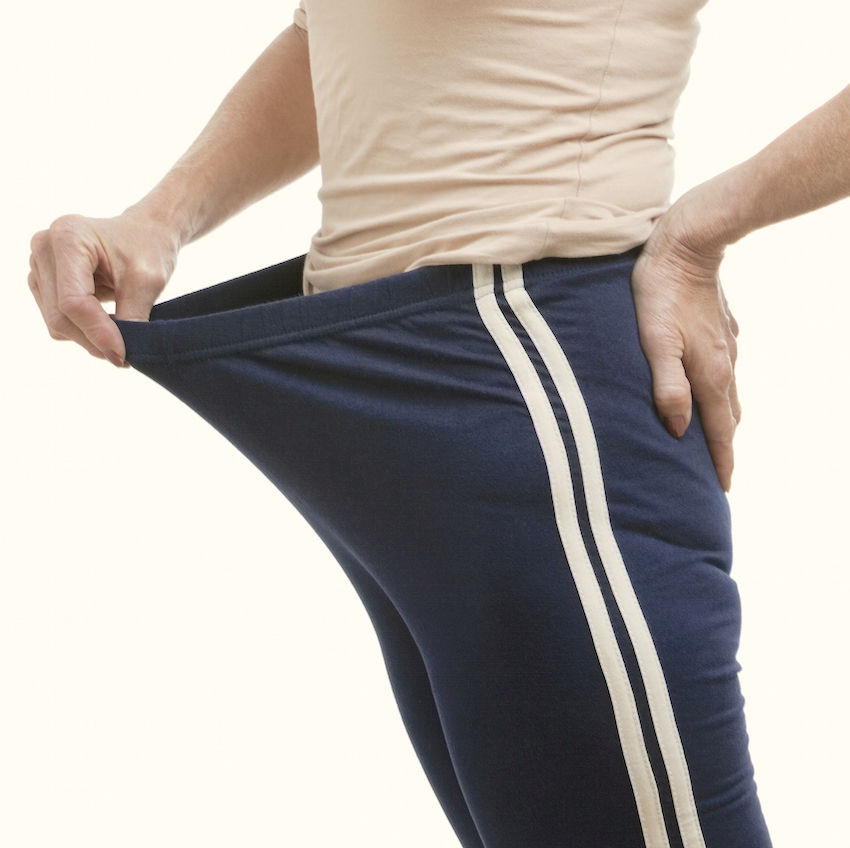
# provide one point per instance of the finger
(85, 322)
(54, 321)
(35, 287)
(75, 262)
(41, 282)
(719, 427)
(39, 247)
(733, 324)
(735, 402)
(730, 318)
(135, 306)
(671, 389)
(732, 393)
(732, 346)
(60, 328)
(103, 288)
(713, 382)
(63, 330)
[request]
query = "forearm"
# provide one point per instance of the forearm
(262, 137)
(804, 169)
(686, 329)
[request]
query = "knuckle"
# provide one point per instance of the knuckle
(669, 396)
(65, 227)
(145, 274)
(720, 444)
(661, 338)
(721, 371)
(54, 331)
(67, 303)
(39, 242)
(724, 427)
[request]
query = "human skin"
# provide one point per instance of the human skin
(263, 136)
(686, 329)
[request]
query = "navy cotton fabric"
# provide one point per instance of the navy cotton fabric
(385, 413)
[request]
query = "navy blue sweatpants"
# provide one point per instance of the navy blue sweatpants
(546, 568)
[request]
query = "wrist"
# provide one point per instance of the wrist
(173, 206)
(715, 214)
(722, 210)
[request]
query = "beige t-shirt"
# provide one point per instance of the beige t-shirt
(497, 131)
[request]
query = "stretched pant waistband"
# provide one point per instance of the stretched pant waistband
(267, 306)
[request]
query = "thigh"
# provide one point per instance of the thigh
(483, 445)
(656, 525)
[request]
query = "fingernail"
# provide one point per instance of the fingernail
(114, 358)
(675, 426)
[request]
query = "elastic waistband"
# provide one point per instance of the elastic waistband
(267, 307)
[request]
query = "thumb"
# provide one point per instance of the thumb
(134, 303)
(671, 391)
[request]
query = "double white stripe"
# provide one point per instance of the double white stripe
(602, 633)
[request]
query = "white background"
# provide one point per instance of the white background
(180, 662)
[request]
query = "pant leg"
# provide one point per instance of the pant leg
(578, 648)
(411, 687)
(669, 525)
(187, 349)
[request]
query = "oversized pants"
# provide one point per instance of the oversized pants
(547, 569)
